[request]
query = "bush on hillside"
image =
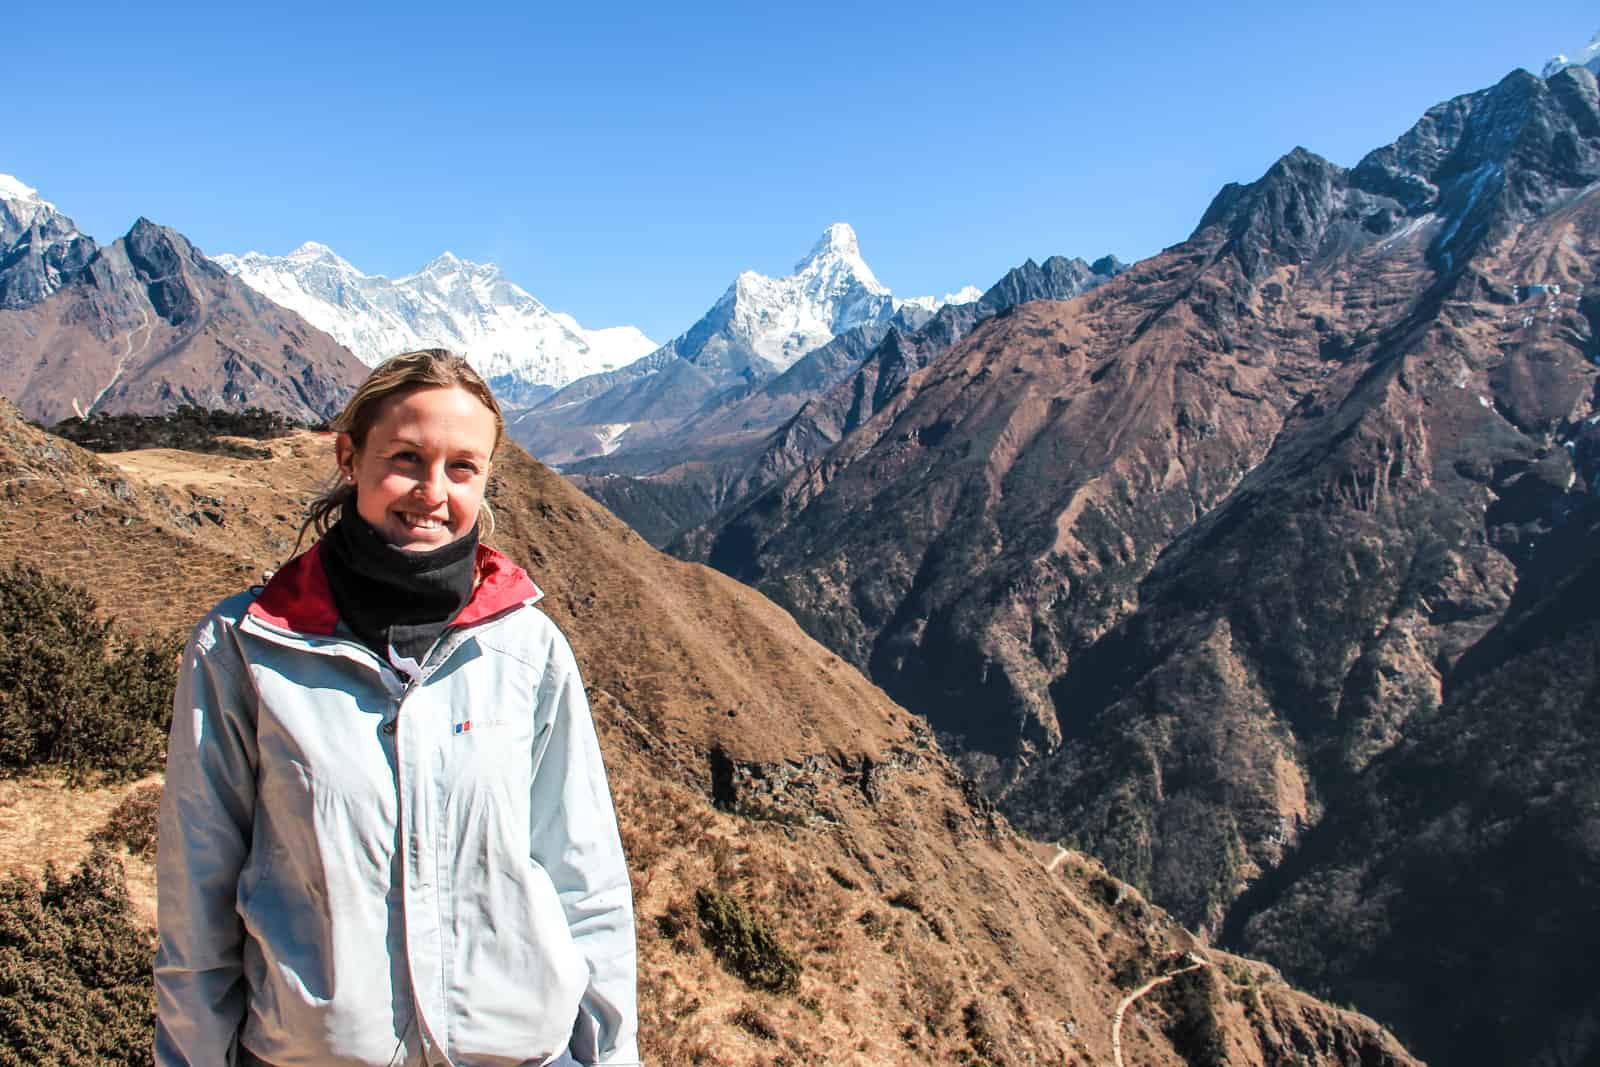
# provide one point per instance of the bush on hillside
(75, 988)
(134, 822)
(745, 943)
(191, 428)
(75, 695)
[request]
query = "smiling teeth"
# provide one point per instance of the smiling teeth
(424, 523)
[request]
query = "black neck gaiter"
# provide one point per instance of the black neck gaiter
(391, 596)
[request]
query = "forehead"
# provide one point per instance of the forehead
(438, 416)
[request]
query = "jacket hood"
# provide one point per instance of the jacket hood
(298, 597)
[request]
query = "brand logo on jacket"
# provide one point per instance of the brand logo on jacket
(468, 725)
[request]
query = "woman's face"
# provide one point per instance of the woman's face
(420, 476)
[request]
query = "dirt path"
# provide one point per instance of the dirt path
(1127, 1002)
(122, 363)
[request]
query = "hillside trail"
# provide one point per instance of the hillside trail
(1061, 887)
(1127, 1002)
(122, 363)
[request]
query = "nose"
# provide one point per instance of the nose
(430, 487)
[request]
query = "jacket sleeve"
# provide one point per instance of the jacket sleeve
(207, 810)
(574, 836)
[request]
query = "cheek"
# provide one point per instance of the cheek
(383, 489)
(464, 501)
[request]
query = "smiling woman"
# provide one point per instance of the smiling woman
(386, 836)
(421, 469)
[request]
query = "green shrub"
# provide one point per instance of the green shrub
(75, 987)
(192, 428)
(745, 944)
(75, 695)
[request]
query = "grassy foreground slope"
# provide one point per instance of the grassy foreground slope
(814, 880)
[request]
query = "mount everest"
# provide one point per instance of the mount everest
(521, 347)
(527, 351)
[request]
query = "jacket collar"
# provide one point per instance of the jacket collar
(298, 598)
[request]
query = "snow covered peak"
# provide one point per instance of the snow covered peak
(15, 189)
(776, 321)
(311, 250)
(967, 294)
(23, 201)
(521, 347)
(1589, 57)
(837, 241)
(837, 257)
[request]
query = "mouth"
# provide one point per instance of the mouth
(420, 523)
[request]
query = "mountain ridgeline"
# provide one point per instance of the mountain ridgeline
(1260, 571)
(524, 350)
(678, 484)
(146, 324)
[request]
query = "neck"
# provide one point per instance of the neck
(394, 597)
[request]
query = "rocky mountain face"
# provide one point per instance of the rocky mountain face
(522, 348)
(40, 248)
(759, 781)
(681, 487)
(1183, 564)
(1456, 882)
(760, 328)
(148, 323)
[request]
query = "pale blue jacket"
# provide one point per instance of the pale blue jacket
(361, 870)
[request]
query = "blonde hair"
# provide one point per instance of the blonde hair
(427, 368)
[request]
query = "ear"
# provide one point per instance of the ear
(344, 453)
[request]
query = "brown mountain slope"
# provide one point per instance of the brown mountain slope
(149, 323)
(1342, 399)
(1179, 559)
(748, 761)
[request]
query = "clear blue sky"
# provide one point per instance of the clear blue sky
(624, 162)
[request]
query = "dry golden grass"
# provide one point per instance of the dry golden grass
(44, 821)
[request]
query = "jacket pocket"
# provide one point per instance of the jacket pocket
(517, 975)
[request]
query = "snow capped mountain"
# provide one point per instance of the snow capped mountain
(967, 294)
(756, 331)
(521, 347)
(21, 204)
(1589, 57)
(40, 248)
(779, 320)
